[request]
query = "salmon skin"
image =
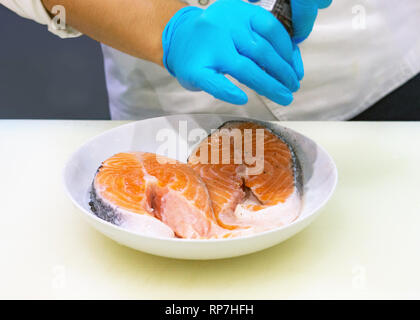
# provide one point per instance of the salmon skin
(153, 194)
(251, 174)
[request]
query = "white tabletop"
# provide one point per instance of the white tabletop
(365, 244)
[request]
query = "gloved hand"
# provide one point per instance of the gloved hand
(304, 13)
(236, 38)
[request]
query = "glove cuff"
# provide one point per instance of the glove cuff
(169, 30)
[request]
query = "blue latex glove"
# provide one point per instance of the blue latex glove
(236, 38)
(304, 13)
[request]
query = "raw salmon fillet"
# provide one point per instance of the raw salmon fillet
(240, 180)
(250, 174)
(153, 195)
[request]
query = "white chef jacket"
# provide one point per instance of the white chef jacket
(358, 53)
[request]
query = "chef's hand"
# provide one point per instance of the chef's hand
(304, 13)
(236, 38)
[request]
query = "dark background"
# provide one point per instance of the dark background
(45, 77)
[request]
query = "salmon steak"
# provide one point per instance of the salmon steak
(251, 176)
(152, 194)
(240, 180)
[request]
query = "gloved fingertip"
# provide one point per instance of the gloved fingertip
(282, 97)
(296, 86)
(288, 100)
(284, 100)
(298, 40)
(239, 98)
(231, 94)
(301, 34)
(322, 4)
(298, 62)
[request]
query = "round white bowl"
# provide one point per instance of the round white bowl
(319, 175)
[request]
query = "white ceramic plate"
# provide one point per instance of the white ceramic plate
(318, 170)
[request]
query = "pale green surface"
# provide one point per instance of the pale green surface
(365, 244)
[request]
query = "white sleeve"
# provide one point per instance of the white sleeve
(35, 10)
